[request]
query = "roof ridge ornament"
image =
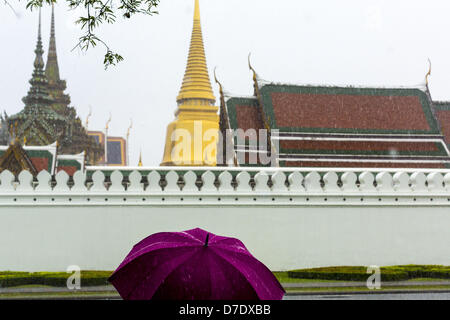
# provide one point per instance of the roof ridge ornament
(140, 159)
(427, 76)
(108, 122)
(129, 128)
(218, 82)
(87, 118)
(255, 75)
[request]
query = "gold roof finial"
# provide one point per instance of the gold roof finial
(129, 128)
(107, 122)
(87, 118)
(218, 82)
(196, 84)
(255, 77)
(140, 159)
(429, 72)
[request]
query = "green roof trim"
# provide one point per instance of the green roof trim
(69, 163)
(267, 90)
(442, 106)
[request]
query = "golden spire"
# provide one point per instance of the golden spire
(196, 84)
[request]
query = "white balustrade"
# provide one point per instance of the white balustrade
(401, 182)
(190, 179)
(366, 180)
(172, 182)
(208, 179)
(116, 182)
(261, 182)
(279, 182)
(435, 182)
(135, 182)
(385, 182)
(418, 182)
(25, 182)
(6, 179)
(225, 180)
(330, 180)
(243, 182)
(349, 179)
(44, 180)
(79, 182)
(98, 179)
(291, 187)
(312, 182)
(154, 179)
(296, 182)
(62, 178)
(447, 181)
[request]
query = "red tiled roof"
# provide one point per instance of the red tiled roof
(444, 120)
(327, 126)
(304, 109)
(349, 111)
(70, 170)
(248, 117)
(40, 163)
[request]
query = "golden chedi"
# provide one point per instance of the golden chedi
(191, 139)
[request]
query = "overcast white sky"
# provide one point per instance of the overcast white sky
(349, 42)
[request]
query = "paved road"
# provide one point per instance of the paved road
(378, 296)
(384, 284)
(108, 292)
(285, 285)
(55, 289)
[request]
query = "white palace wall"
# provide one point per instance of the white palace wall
(318, 218)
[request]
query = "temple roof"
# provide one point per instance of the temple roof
(56, 86)
(244, 114)
(347, 110)
(196, 83)
(344, 126)
(51, 68)
(442, 112)
(15, 159)
(37, 118)
(38, 94)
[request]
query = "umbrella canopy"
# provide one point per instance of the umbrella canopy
(194, 265)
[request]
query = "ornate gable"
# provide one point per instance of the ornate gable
(15, 159)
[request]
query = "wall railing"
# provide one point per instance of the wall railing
(223, 187)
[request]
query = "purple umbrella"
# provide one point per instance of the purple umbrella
(193, 265)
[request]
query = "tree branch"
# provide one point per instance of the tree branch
(97, 13)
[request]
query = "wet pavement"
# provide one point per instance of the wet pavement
(109, 293)
(373, 296)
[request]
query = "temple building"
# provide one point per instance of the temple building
(304, 126)
(191, 139)
(116, 149)
(48, 129)
(17, 157)
(331, 126)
